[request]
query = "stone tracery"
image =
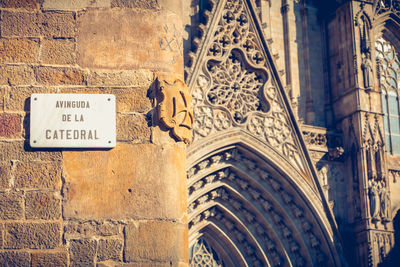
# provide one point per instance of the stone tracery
(259, 219)
(233, 87)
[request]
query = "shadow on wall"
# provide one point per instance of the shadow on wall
(393, 258)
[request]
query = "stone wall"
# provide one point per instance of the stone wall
(82, 207)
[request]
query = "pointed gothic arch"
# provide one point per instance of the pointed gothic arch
(253, 190)
(256, 207)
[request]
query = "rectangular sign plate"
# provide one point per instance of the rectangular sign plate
(73, 120)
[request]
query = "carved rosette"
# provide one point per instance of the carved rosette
(234, 87)
(173, 106)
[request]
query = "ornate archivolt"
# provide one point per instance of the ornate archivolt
(256, 215)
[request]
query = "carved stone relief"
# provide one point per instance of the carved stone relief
(378, 190)
(266, 199)
(386, 6)
(395, 175)
(173, 106)
(234, 86)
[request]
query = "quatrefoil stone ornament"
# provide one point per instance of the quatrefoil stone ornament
(173, 106)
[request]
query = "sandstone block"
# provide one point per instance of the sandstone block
(44, 259)
(32, 235)
(19, 50)
(146, 264)
(42, 205)
(100, 186)
(58, 51)
(27, 4)
(82, 252)
(16, 75)
(11, 206)
(21, 24)
(120, 78)
(132, 100)
(37, 175)
(19, 150)
(10, 125)
(156, 240)
(59, 76)
(108, 229)
(58, 24)
(74, 4)
(5, 171)
(15, 258)
(142, 4)
(18, 98)
(133, 39)
(109, 249)
(132, 127)
(127, 99)
(75, 230)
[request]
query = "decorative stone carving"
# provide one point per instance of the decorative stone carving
(374, 202)
(204, 255)
(267, 203)
(233, 87)
(385, 6)
(173, 106)
(395, 174)
(368, 74)
(335, 153)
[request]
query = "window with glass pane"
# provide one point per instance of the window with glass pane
(389, 79)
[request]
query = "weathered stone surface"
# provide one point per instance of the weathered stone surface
(44, 259)
(109, 249)
(5, 172)
(132, 39)
(156, 240)
(16, 75)
(132, 127)
(19, 24)
(58, 51)
(10, 125)
(32, 235)
(132, 100)
(128, 99)
(42, 205)
(37, 175)
(58, 24)
(59, 76)
(14, 258)
(101, 186)
(18, 98)
(142, 4)
(11, 206)
(76, 230)
(2, 96)
(18, 150)
(119, 78)
(74, 4)
(27, 4)
(19, 50)
(82, 252)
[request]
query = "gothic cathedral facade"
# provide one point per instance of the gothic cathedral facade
(295, 158)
